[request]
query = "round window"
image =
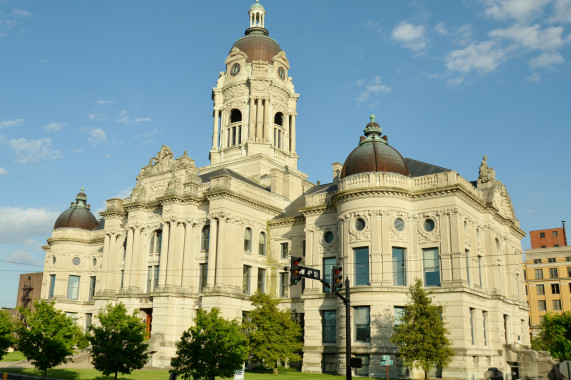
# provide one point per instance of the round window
(76, 261)
(429, 225)
(328, 237)
(399, 224)
(360, 224)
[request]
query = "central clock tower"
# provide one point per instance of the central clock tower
(254, 131)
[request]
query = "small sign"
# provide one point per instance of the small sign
(387, 362)
(310, 273)
(239, 374)
(385, 357)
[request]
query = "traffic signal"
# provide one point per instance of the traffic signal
(295, 274)
(336, 278)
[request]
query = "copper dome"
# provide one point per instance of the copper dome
(78, 215)
(374, 155)
(258, 46)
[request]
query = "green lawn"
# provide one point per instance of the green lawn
(13, 357)
(77, 374)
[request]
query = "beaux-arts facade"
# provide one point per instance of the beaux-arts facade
(190, 238)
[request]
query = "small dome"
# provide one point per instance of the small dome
(256, 5)
(78, 215)
(374, 155)
(258, 47)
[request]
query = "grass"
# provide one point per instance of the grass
(162, 374)
(13, 356)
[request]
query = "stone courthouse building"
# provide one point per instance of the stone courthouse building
(189, 237)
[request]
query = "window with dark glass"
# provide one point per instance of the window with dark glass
(538, 274)
(261, 280)
(328, 263)
(262, 244)
(248, 239)
(551, 260)
(92, 281)
(361, 266)
(553, 273)
(537, 261)
(362, 324)
(329, 326)
(542, 234)
(540, 289)
(284, 284)
(156, 277)
(246, 279)
(284, 250)
(554, 233)
(556, 305)
(122, 279)
(205, 238)
(149, 279)
(203, 276)
(156, 240)
(431, 261)
(554, 288)
(399, 270)
(52, 286)
(364, 370)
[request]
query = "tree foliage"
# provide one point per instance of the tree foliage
(118, 343)
(273, 335)
(555, 335)
(212, 347)
(6, 333)
(422, 338)
(47, 336)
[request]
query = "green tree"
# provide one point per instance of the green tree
(212, 347)
(47, 336)
(118, 343)
(6, 333)
(422, 337)
(273, 335)
(555, 335)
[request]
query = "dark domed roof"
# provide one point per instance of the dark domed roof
(258, 47)
(374, 155)
(78, 215)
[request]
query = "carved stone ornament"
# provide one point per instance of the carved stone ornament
(331, 245)
(503, 203)
(423, 234)
(467, 232)
(354, 233)
(280, 95)
(235, 91)
(260, 85)
(395, 233)
(486, 174)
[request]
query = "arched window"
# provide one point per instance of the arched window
(235, 116)
(205, 238)
(156, 240)
(279, 119)
(248, 239)
(262, 244)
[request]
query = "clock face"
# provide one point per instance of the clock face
(235, 69)
(281, 73)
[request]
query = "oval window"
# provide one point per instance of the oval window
(328, 237)
(399, 224)
(359, 224)
(76, 261)
(429, 225)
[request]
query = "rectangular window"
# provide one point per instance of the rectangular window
(399, 270)
(431, 262)
(554, 288)
(362, 324)
(468, 267)
(88, 319)
(361, 266)
(553, 273)
(122, 278)
(364, 370)
(303, 249)
(398, 314)
(541, 305)
(203, 274)
(246, 279)
(73, 288)
(329, 326)
(539, 274)
(284, 250)
(556, 305)
(284, 284)
(262, 280)
(568, 271)
(551, 260)
(553, 233)
(543, 246)
(52, 286)
(480, 271)
(156, 278)
(328, 263)
(540, 289)
(485, 326)
(149, 279)
(473, 324)
(92, 282)
(542, 234)
(568, 258)
(537, 261)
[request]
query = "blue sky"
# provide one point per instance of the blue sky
(89, 91)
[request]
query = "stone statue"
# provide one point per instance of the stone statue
(487, 174)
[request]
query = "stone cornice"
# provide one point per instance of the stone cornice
(291, 221)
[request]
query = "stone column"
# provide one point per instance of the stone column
(287, 136)
(212, 252)
(267, 122)
(176, 256)
(251, 121)
(112, 269)
(292, 136)
(171, 257)
(220, 258)
(188, 264)
(164, 254)
(259, 120)
(215, 130)
(128, 258)
(106, 263)
(136, 275)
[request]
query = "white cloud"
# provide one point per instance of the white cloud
(374, 87)
(103, 101)
(99, 116)
(4, 171)
(455, 81)
(32, 150)
(562, 11)
(411, 36)
(55, 126)
(532, 37)
(21, 13)
(521, 10)
(441, 29)
(483, 57)
(10, 123)
(96, 135)
(546, 60)
(25, 258)
(125, 119)
(77, 150)
(534, 77)
(19, 225)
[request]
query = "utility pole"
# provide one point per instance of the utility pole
(347, 302)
